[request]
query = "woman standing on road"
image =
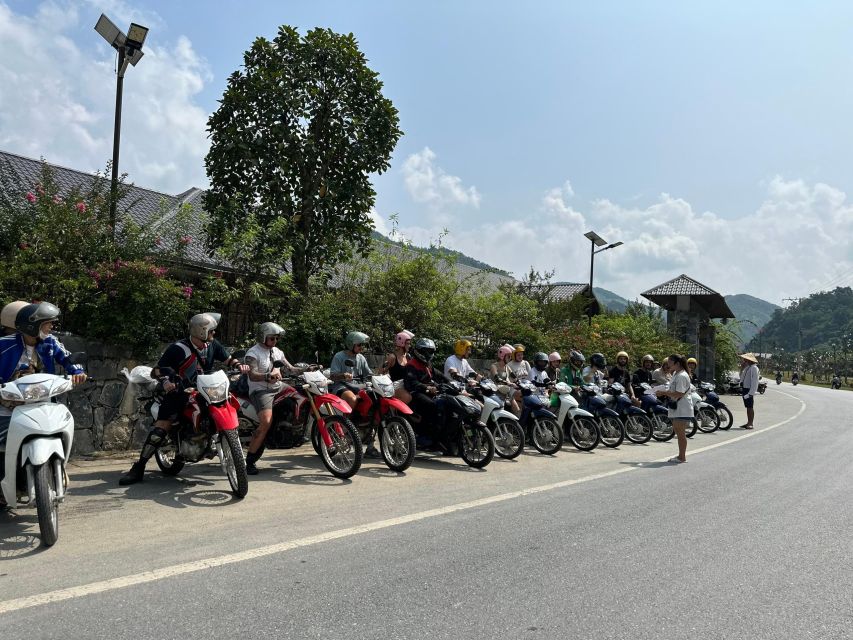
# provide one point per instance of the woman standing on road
(679, 402)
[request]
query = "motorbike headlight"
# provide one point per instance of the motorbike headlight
(386, 390)
(34, 391)
(217, 392)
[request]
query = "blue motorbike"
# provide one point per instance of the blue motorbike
(662, 430)
(611, 429)
(710, 395)
(540, 424)
(638, 426)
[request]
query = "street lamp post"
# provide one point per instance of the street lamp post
(129, 47)
(596, 241)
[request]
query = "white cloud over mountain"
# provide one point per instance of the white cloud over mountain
(58, 98)
(427, 183)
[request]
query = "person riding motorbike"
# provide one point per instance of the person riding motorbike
(692, 364)
(180, 364)
(595, 372)
(31, 349)
(8, 315)
(554, 362)
(662, 374)
(501, 374)
(643, 375)
(395, 364)
(619, 373)
(518, 365)
(459, 360)
(539, 374)
(264, 385)
(342, 375)
(420, 381)
(572, 373)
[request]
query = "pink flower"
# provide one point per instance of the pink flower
(81, 207)
(57, 200)
(160, 271)
(188, 291)
(31, 196)
(185, 239)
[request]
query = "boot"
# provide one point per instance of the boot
(155, 439)
(135, 473)
(251, 459)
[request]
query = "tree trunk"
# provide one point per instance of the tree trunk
(299, 268)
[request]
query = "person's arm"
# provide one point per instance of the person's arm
(338, 370)
(412, 382)
(62, 357)
(753, 382)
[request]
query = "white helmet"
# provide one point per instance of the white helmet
(201, 325)
(10, 312)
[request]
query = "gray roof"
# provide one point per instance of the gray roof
(665, 294)
(565, 290)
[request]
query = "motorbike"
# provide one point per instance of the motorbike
(207, 428)
(762, 385)
(709, 395)
(638, 426)
(778, 378)
(37, 448)
(705, 415)
(377, 410)
(611, 430)
(579, 424)
(836, 382)
(539, 423)
(795, 379)
(656, 411)
(505, 427)
(304, 410)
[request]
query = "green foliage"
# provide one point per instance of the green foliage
(752, 314)
(726, 341)
(300, 129)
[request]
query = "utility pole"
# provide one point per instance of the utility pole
(799, 330)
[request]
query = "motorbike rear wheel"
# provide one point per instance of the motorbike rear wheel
(397, 443)
(233, 463)
(344, 460)
(638, 429)
(168, 459)
(477, 445)
(663, 431)
(692, 427)
(509, 438)
(46, 504)
(708, 420)
(611, 431)
(726, 417)
(547, 436)
(583, 434)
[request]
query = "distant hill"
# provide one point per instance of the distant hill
(613, 301)
(746, 307)
(825, 319)
(457, 256)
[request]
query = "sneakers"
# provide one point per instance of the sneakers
(134, 475)
(373, 452)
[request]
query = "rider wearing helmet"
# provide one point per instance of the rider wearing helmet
(692, 365)
(264, 385)
(177, 369)
(32, 348)
(662, 374)
(572, 373)
(554, 362)
(342, 375)
(395, 364)
(519, 367)
(420, 381)
(594, 373)
(643, 374)
(459, 360)
(8, 315)
(620, 374)
(539, 373)
(500, 371)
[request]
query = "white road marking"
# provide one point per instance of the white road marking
(92, 588)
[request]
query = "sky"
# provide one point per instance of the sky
(711, 138)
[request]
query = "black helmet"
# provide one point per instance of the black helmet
(31, 317)
(597, 360)
(423, 350)
(576, 357)
(540, 361)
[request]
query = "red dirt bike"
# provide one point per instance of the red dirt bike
(304, 409)
(379, 411)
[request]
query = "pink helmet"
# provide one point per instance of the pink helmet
(554, 356)
(505, 350)
(400, 338)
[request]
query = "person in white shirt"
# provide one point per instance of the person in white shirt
(264, 385)
(459, 360)
(749, 375)
(519, 367)
(679, 402)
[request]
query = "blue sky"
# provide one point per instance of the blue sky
(711, 137)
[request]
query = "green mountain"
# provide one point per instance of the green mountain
(613, 301)
(749, 309)
(825, 319)
(457, 256)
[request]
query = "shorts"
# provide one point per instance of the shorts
(748, 401)
(173, 405)
(339, 387)
(262, 399)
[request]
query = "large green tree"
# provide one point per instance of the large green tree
(300, 129)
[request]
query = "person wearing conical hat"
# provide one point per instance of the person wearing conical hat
(749, 375)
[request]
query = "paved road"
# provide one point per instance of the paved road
(747, 540)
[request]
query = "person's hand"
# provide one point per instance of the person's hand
(660, 392)
(168, 386)
(244, 368)
(347, 376)
(275, 375)
(431, 390)
(78, 378)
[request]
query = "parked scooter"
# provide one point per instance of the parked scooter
(37, 447)
(656, 411)
(708, 393)
(706, 417)
(577, 423)
(611, 430)
(638, 426)
(539, 422)
(505, 427)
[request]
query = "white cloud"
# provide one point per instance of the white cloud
(791, 245)
(58, 101)
(427, 183)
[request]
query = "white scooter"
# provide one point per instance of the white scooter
(504, 425)
(37, 448)
(578, 423)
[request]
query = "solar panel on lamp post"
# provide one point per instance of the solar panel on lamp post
(596, 241)
(129, 48)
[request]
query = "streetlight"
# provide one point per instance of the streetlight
(129, 47)
(596, 241)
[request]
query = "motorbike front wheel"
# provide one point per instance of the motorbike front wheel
(611, 431)
(509, 438)
(477, 446)
(638, 429)
(726, 417)
(233, 462)
(663, 431)
(46, 504)
(547, 436)
(583, 434)
(397, 443)
(344, 459)
(168, 459)
(708, 420)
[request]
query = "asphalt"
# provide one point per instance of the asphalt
(749, 539)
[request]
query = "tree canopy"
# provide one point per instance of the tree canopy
(299, 130)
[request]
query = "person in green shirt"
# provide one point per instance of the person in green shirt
(571, 374)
